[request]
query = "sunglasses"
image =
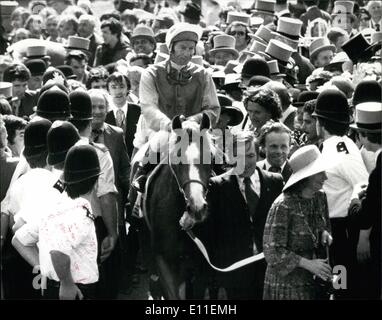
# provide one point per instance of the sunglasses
(239, 33)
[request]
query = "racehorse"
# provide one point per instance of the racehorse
(177, 195)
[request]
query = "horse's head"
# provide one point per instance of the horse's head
(191, 163)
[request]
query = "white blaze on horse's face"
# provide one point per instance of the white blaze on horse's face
(197, 201)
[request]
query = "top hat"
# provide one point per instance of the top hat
(62, 135)
(357, 48)
(36, 52)
(318, 45)
(233, 16)
(305, 96)
(255, 67)
(265, 7)
(305, 162)
(81, 164)
(235, 114)
(289, 27)
(53, 104)
(263, 34)
(192, 11)
(367, 91)
(35, 137)
(37, 67)
(332, 105)
(274, 69)
(257, 47)
(142, 31)
(368, 117)
(6, 89)
(225, 43)
(80, 105)
(343, 7)
(183, 31)
(78, 43)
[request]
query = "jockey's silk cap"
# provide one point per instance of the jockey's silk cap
(183, 32)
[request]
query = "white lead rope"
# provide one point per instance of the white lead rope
(232, 267)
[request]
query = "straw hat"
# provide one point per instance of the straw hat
(233, 16)
(318, 45)
(78, 43)
(225, 43)
(305, 162)
(36, 52)
(265, 7)
(288, 31)
(368, 117)
(279, 51)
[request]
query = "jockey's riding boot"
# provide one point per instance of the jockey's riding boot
(140, 176)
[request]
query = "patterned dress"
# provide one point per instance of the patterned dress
(292, 231)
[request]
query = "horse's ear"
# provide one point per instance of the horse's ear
(176, 123)
(206, 122)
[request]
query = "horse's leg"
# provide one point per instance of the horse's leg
(167, 278)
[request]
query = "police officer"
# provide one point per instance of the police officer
(347, 170)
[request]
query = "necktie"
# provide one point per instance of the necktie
(275, 169)
(120, 118)
(251, 196)
(377, 27)
(96, 135)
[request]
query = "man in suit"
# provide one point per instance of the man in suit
(275, 139)
(239, 201)
(123, 114)
(19, 75)
(367, 213)
(312, 12)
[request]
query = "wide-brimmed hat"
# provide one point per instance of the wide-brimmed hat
(274, 69)
(192, 11)
(235, 114)
(357, 48)
(318, 45)
(142, 31)
(6, 89)
(305, 162)
(35, 137)
(80, 105)
(36, 52)
(183, 31)
(53, 104)
(264, 6)
(367, 91)
(303, 97)
(332, 105)
(81, 164)
(77, 43)
(233, 16)
(368, 117)
(37, 67)
(62, 135)
(224, 43)
(263, 34)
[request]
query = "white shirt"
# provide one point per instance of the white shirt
(345, 172)
(123, 108)
(69, 230)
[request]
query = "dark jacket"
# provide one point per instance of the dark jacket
(231, 233)
(105, 55)
(130, 124)
(95, 41)
(286, 173)
(27, 103)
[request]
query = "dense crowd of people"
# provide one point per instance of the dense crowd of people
(90, 102)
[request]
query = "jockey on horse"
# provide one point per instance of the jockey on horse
(174, 87)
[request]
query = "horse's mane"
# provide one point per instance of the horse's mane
(192, 128)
